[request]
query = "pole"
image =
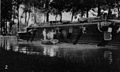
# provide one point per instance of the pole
(0, 20)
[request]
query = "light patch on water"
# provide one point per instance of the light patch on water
(108, 56)
(50, 51)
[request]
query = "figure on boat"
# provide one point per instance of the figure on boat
(48, 37)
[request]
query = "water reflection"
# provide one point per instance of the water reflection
(9, 42)
(52, 58)
(51, 51)
(29, 50)
(108, 56)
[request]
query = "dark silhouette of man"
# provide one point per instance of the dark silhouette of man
(113, 33)
(79, 34)
(31, 34)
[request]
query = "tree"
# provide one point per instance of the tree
(75, 7)
(58, 6)
(6, 9)
(6, 12)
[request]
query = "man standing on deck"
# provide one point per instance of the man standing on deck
(50, 34)
(44, 34)
(31, 34)
(80, 33)
(113, 30)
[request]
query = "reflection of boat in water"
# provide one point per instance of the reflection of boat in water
(49, 42)
(50, 51)
(108, 56)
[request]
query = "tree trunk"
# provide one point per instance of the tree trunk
(60, 16)
(47, 14)
(25, 17)
(56, 17)
(21, 16)
(0, 20)
(118, 9)
(109, 13)
(18, 22)
(28, 18)
(34, 16)
(87, 13)
(82, 13)
(47, 17)
(99, 10)
(5, 27)
(0, 28)
(72, 17)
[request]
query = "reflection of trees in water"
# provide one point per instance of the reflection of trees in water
(47, 51)
(86, 56)
(9, 43)
(50, 51)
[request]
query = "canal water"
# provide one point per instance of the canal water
(27, 57)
